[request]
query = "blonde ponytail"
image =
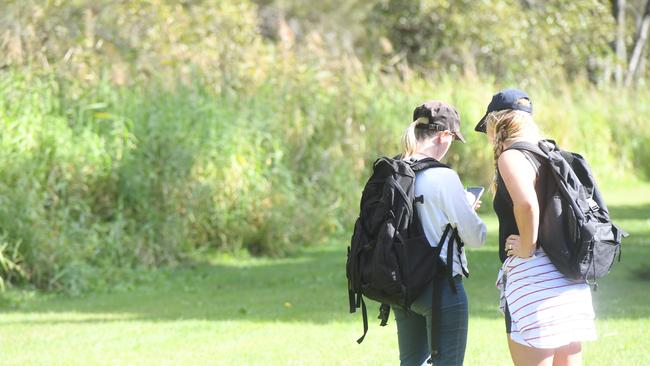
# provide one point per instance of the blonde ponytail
(409, 142)
(411, 137)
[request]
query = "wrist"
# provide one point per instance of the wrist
(531, 250)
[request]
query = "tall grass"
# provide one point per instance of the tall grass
(96, 180)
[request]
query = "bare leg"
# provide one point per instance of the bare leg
(569, 355)
(529, 356)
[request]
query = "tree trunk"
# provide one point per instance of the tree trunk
(621, 53)
(639, 44)
(640, 71)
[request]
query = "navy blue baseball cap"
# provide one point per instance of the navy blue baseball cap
(505, 99)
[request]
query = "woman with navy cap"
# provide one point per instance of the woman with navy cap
(547, 315)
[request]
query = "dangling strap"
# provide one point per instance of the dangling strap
(364, 313)
(450, 260)
(450, 255)
(459, 249)
(436, 298)
(436, 305)
(384, 312)
(450, 264)
(351, 293)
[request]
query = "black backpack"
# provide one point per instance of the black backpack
(575, 229)
(390, 259)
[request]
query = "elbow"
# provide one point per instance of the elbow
(483, 237)
(527, 205)
(527, 208)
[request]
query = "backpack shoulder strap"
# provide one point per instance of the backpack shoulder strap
(541, 151)
(527, 146)
(426, 163)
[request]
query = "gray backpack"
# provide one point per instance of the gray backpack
(575, 229)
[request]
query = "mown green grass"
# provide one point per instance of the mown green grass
(293, 311)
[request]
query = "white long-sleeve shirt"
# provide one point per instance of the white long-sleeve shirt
(445, 202)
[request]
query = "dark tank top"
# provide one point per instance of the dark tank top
(503, 206)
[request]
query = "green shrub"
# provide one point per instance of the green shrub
(118, 178)
(139, 148)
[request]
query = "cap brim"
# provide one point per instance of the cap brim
(459, 136)
(480, 126)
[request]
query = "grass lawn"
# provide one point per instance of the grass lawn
(294, 312)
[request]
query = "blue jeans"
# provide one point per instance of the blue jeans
(414, 327)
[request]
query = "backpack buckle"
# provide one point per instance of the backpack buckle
(593, 206)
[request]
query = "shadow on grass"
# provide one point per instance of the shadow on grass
(307, 288)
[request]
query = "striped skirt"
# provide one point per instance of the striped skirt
(547, 310)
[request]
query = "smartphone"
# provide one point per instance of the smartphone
(477, 192)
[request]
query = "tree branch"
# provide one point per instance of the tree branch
(639, 44)
(621, 52)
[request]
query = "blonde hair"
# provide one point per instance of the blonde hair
(507, 125)
(413, 136)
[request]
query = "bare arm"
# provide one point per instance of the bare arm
(519, 177)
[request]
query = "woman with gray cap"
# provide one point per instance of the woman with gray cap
(547, 315)
(445, 202)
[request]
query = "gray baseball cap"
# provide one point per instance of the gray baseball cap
(441, 116)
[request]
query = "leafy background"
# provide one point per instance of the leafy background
(140, 134)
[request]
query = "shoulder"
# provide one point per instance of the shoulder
(439, 173)
(438, 181)
(512, 159)
(513, 166)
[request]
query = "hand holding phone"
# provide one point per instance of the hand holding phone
(476, 193)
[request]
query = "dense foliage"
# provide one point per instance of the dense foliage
(142, 133)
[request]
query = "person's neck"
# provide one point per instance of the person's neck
(432, 151)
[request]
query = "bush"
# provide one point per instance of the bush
(235, 145)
